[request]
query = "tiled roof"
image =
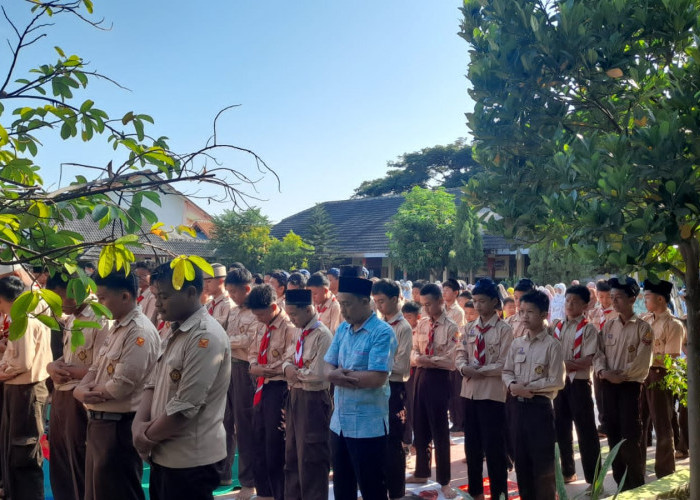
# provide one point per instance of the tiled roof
(360, 225)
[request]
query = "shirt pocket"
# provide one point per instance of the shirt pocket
(609, 339)
(631, 353)
(540, 367)
(519, 364)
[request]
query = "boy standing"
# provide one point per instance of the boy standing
(325, 302)
(112, 391)
(433, 354)
(23, 375)
(534, 373)
(308, 412)
(266, 356)
(219, 304)
(480, 358)
(574, 403)
(622, 367)
(179, 423)
(386, 297)
(145, 299)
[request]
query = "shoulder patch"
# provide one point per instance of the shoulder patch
(203, 343)
(648, 337)
(140, 341)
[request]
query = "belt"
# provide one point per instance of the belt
(107, 415)
(241, 361)
(534, 400)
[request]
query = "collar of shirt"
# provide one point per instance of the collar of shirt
(663, 315)
(540, 336)
(576, 320)
(128, 318)
(194, 319)
(438, 321)
(491, 322)
(363, 326)
(311, 324)
(396, 318)
(279, 319)
(633, 319)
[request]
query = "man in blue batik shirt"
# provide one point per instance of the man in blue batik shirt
(359, 361)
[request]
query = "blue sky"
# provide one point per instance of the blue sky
(329, 91)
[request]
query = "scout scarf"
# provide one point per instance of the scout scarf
(578, 337)
(262, 360)
(480, 345)
(214, 303)
(299, 353)
(321, 310)
(603, 320)
(430, 348)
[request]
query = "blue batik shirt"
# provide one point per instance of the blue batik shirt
(362, 413)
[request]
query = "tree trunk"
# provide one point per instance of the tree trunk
(690, 249)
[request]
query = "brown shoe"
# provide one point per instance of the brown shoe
(680, 455)
(416, 480)
(570, 479)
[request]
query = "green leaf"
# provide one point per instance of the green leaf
(127, 239)
(79, 323)
(99, 212)
(23, 305)
(18, 327)
(106, 261)
(202, 264)
(60, 52)
(101, 310)
(77, 338)
(153, 196)
(49, 321)
(53, 300)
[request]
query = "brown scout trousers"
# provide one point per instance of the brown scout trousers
(656, 407)
(67, 435)
(20, 431)
(307, 445)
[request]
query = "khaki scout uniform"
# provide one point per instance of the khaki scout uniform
(123, 363)
(455, 407)
(484, 404)
(191, 378)
(308, 417)
(538, 364)
(147, 301)
(329, 312)
(68, 420)
(400, 373)
(22, 422)
(220, 308)
(574, 404)
(627, 347)
(432, 394)
(238, 417)
(515, 322)
(657, 403)
(268, 465)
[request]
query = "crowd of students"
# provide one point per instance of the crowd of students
(301, 374)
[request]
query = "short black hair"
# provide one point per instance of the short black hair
(165, 273)
(119, 281)
(83, 264)
(235, 265)
(144, 264)
(280, 276)
(386, 287)
(261, 297)
(452, 284)
(524, 285)
(431, 289)
(410, 307)
(238, 276)
(258, 279)
(318, 279)
(11, 287)
(581, 291)
(602, 286)
(469, 304)
(56, 281)
(297, 279)
(508, 300)
(538, 298)
(419, 284)
(467, 294)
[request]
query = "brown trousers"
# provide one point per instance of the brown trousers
(67, 435)
(307, 445)
(113, 468)
(432, 397)
(238, 421)
(21, 428)
(656, 407)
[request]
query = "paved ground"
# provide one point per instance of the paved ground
(459, 472)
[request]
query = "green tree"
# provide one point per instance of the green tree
(553, 262)
(43, 102)
(321, 236)
(586, 121)
(447, 166)
(242, 236)
(290, 253)
(467, 254)
(421, 232)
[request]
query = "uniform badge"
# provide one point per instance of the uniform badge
(82, 355)
(276, 353)
(539, 370)
(203, 343)
(307, 364)
(521, 350)
(631, 348)
(647, 338)
(110, 368)
(175, 375)
(140, 341)
(657, 343)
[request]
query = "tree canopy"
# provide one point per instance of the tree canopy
(586, 123)
(447, 166)
(322, 238)
(242, 236)
(467, 253)
(52, 100)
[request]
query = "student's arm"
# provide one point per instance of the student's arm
(23, 358)
(447, 360)
(674, 339)
(402, 359)
(85, 385)
(508, 374)
(461, 354)
(369, 379)
(556, 374)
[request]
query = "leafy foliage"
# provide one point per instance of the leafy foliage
(242, 236)
(322, 238)
(676, 379)
(422, 231)
(467, 252)
(45, 102)
(447, 166)
(291, 253)
(554, 262)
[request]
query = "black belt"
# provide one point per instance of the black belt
(534, 400)
(241, 361)
(108, 415)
